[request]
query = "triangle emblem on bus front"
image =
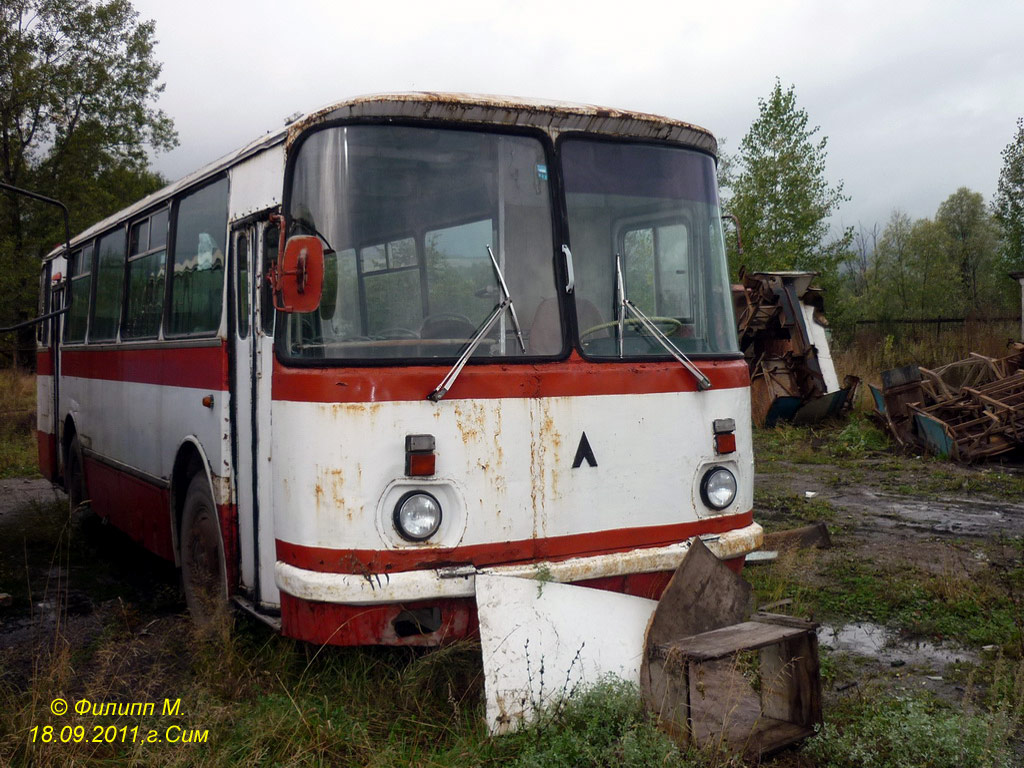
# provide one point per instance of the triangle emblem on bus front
(584, 453)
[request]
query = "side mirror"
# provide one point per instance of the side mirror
(298, 278)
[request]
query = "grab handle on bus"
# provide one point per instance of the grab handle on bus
(570, 276)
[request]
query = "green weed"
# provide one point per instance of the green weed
(603, 726)
(18, 452)
(899, 732)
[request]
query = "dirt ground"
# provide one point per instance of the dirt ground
(901, 514)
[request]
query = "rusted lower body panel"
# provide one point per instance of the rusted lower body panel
(373, 609)
(425, 622)
(967, 410)
(781, 326)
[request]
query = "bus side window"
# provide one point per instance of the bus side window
(81, 281)
(242, 285)
(271, 239)
(106, 311)
(147, 252)
(197, 286)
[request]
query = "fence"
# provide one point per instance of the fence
(880, 344)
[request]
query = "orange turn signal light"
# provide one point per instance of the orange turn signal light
(420, 460)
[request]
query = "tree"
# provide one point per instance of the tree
(1008, 205)
(932, 287)
(77, 85)
(972, 247)
(894, 274)
(865, 244)
(780, 193)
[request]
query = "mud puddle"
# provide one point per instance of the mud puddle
(878, 642)
(972, 518)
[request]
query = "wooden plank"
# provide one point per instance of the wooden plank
(703, 594)
(718, 643)
(783, 620)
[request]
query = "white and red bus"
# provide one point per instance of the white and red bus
(502, 341)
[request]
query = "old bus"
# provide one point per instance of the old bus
(504, 343)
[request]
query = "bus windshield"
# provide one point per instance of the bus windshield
(410, 218)
(650, 214)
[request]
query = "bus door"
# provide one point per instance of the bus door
(252, 342)
(53, 331)
(48, 334)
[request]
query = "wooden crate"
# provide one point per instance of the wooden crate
(752, 687)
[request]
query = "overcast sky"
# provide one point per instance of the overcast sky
(916, 98)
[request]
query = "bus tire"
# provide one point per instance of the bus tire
(202, 554)
(75, 473)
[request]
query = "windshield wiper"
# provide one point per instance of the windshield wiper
(624, 304)
(506, 303)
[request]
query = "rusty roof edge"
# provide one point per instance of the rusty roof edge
(554, 116)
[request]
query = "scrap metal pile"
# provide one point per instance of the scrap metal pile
(781, 324)
(967, 410)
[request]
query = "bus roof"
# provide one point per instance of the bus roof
(554, 117)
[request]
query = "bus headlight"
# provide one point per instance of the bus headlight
(417, 516)
(718, 488)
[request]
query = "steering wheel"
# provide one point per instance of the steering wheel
(671, 325)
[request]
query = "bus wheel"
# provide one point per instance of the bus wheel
(202, 556)
(75, 476)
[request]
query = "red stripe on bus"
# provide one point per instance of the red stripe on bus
(47, 452)
(364, 561)
(574, 376)
(196, 367)
(44, 362)
(138, 508)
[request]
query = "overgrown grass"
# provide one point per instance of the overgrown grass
(18, 455)
(869, 353)
(263, 700)
(892, 732)
(606, 725)
(851, 440)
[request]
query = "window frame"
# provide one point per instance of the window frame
(130, 258)
(172, 238)
(72, 277)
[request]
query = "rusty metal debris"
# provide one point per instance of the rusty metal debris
(967, 410)
(781, 323)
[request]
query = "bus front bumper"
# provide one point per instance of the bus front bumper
(410, 586)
